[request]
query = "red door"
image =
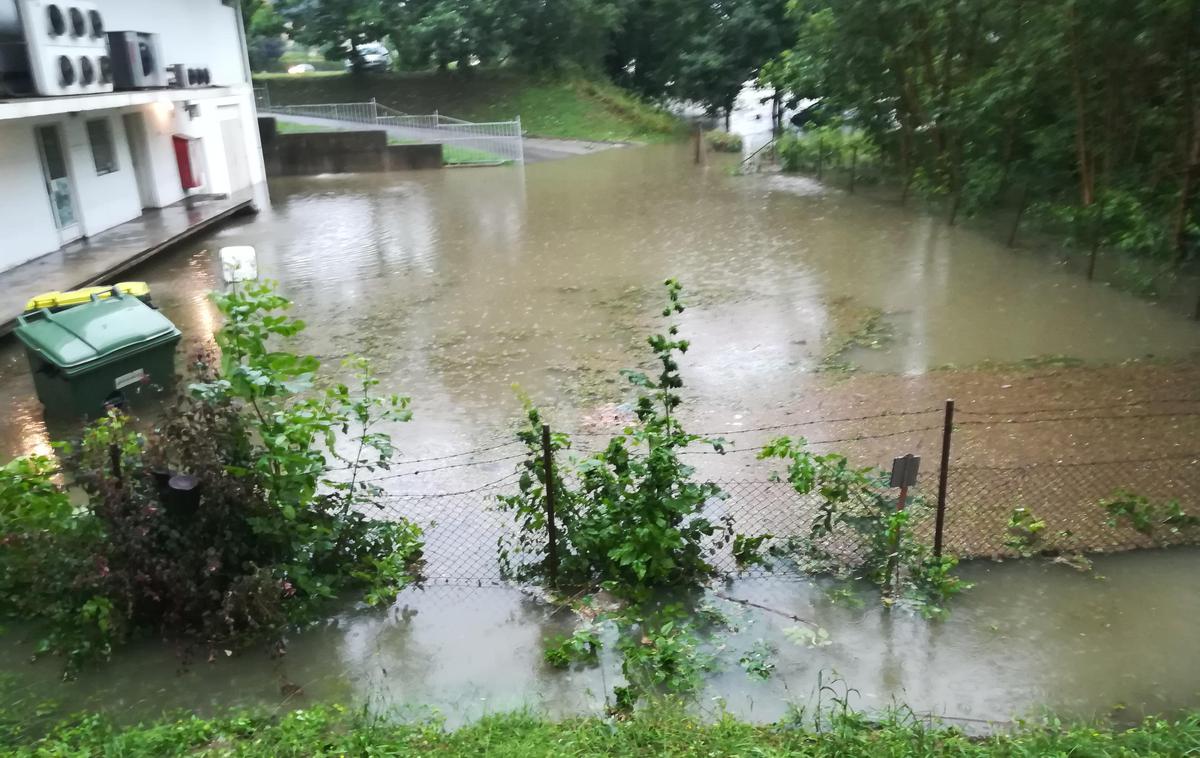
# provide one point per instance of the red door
(186, 156)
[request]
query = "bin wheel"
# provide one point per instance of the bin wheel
(115, 401)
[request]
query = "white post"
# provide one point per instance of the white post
(520, 142)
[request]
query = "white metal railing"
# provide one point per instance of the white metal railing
(464, 141)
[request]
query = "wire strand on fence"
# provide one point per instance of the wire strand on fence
(468, 464)
(1075, 464)
(1060, 409)
(1121, 417)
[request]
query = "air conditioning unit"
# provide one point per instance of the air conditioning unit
(137, 63)
(67, 47)
(184, 76)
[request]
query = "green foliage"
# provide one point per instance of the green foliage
(827, 148)
(634, 521)
(1141, 515)
(664, 730)
(882, 547)
(723, 142)
(662, 655)
(270, 538)
(983, 103)
(1025, 532)
(580, 646)
(756, 661)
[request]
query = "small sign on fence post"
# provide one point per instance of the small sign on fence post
(904, 475)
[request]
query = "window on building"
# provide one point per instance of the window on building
(103, 152)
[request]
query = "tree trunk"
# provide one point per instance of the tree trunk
(1082, 154)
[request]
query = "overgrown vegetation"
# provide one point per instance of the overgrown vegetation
(860, 529)
(723, 142)
(630, 516)
(1019, 104)
(1159, 521)
(631, 519)
(827, 148)
(264, 534)
(702, 52)
(333, 730)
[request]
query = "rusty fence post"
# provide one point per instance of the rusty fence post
(551, 527)
(943, 477)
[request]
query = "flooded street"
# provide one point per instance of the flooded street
(805, 303)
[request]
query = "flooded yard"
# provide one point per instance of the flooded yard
(1031, 637)
(805, 304)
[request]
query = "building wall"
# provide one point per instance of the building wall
(196, 32)
(26, 222)
(102, 200)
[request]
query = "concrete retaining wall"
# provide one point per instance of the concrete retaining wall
(347, 152)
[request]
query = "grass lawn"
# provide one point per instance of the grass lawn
(337, 731)
(291, 127)
(574, 108)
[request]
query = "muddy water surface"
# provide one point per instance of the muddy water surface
(1029, 638)
(459, 284)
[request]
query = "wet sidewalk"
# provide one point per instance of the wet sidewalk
(102, 258)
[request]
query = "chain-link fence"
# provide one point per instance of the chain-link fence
(1062, 493)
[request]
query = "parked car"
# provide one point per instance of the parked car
(302, 68)
(373, 56)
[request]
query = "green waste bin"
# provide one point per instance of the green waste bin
(99, 353)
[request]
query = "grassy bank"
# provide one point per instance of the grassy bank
(334, 731)
(574, 108)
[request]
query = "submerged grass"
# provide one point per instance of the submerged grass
(333, 730)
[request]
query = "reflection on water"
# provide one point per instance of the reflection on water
(460, 283)
(1030, 636)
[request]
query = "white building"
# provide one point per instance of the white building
(79, 155)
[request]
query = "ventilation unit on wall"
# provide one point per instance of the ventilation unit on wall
(67, 47)
(184, 76)
(137, 63)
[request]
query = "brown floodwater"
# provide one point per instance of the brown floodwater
(461, 284)
(805, 303)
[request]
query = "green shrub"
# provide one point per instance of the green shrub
(272, 537)
(633, 521)
(723, 142)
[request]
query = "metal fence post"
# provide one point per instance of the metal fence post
(551, 527)
(943, 476)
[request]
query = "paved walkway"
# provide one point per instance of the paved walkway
(102, 258)
(536, 148)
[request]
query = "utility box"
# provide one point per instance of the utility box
(101, 353)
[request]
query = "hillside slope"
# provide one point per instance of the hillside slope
(573, 108)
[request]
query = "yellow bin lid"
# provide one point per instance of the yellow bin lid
(81, 296)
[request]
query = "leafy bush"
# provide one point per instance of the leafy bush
(634, 519)
(882, 548)
(828, 147)
(1143, 516)
(724, 142)
(271, 536)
